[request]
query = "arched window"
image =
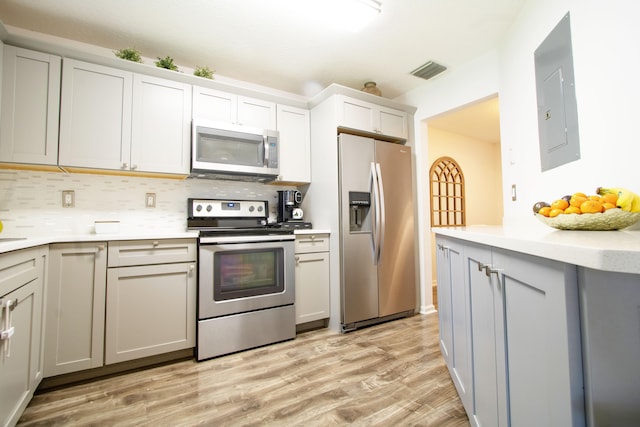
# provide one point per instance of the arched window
(447, 193)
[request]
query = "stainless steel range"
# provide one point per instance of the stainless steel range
(245, 276)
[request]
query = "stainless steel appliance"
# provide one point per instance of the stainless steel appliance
(376, 231)
(245, 277)
(290, 214)
(226, 151)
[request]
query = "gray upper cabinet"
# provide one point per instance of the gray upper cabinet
(95, 118)
(118, 120)
(30, 107)
(219, 106)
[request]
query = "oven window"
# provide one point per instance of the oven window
(245, 273)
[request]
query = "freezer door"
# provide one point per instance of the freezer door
(396, 269)
(358, 281)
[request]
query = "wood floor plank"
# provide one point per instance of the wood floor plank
(386, 375)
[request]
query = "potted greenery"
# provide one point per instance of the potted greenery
(203, 71)
(129, 54)
(166, 62)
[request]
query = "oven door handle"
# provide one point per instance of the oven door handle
(246, 239)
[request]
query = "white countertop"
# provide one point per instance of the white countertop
(311, 231)
(29, 242)
(13, 245)
(602, 250)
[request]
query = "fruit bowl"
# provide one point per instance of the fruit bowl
(611, 219)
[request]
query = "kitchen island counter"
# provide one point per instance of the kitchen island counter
(617, 251)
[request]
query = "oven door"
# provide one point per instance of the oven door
(244, 276)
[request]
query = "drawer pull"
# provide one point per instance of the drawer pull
(155, 243)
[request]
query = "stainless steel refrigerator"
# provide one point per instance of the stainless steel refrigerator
(377, 242)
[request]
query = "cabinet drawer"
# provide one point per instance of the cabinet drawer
(18, 268)
(306, 243)
(143, 252)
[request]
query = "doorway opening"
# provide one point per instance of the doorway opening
(469, 134)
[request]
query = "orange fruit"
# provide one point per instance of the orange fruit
(561, 204)
(573, 210)
(544, 211)
(580, 194)
(609, 198)
(606, 206)
(591, 206)
(577, 199)
(555, 212)
(594, 197)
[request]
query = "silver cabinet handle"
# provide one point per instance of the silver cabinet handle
(125, 166)
(101, 247)
(155, 243)
(482, 266)
(297, 258)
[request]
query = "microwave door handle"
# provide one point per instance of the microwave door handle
(265, 145)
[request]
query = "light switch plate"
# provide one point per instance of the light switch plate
(150, 200)
(68, 199)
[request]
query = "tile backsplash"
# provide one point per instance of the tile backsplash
(31, 202)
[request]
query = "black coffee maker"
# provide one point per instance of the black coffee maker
(290, 215)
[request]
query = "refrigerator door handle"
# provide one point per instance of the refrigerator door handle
(382, 223)
(375, 205)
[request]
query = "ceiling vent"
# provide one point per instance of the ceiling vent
(428, 70)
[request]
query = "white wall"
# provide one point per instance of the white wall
(606, 58)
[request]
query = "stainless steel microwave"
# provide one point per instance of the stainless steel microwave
(227, 151)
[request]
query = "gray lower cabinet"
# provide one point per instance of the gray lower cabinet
(151, 307)
(610, 305)
(109, 302)
(312, 277)
(455, 331)
(21, 287)
(525, 347)
(74, 338)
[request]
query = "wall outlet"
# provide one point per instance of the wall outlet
(68, 198)
(150, 200)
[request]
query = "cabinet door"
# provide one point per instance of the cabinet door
(489, 398)
(392, 122)
(256, 113)
(445, 315)
(541, 330)
(215, 105)
(18, 354)
(74, 337)
(168, 324)
(312, 286)
(30, 107)
(356, 114)
(455, 335)
(161, 125)
(295, 144)
(95, 116)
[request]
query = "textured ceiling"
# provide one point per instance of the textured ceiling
(290, 45)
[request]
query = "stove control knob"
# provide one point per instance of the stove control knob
(198, 208)
(259, 208)
(209, 207)
(251, 208)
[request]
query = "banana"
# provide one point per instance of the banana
(627, 200)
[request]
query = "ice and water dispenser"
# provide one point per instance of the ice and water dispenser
(359, 205)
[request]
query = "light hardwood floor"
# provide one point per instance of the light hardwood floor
(386, 375)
